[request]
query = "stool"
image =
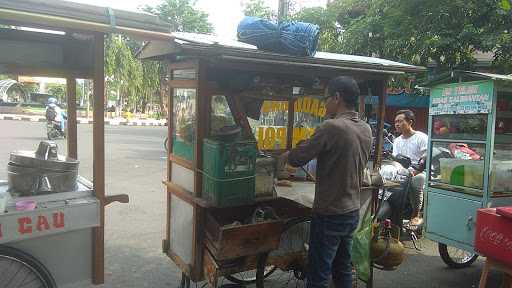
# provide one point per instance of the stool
(493, 264)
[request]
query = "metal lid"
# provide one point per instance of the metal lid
(45, 157)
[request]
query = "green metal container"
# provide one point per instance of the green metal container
(228, 172)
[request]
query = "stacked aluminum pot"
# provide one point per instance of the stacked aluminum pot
(43, 171)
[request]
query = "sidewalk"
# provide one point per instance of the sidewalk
(80, 120)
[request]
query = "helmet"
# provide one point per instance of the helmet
(52, 100)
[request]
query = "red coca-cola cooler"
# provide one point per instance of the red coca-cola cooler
(493, 237)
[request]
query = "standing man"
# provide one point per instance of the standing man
(412, 144)
(342, 147)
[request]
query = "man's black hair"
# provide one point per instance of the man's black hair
(346, 87)
(408, 115)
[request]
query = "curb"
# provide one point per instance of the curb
(113, 122)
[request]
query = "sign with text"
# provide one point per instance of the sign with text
(15, 226)
(271, 131)
(462, 98)
(270, 138)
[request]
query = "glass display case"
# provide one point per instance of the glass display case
(184, 122)
(470, 158)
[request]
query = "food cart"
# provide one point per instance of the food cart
(52, 234)
(211, 190)
(469, 159)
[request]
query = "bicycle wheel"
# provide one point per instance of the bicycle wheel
(294, 240)
(249, 277)
(456, 258)
(166, 144)
(19, 269)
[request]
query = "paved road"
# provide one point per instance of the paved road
(135, 165)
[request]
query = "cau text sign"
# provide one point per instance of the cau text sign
(18, 227)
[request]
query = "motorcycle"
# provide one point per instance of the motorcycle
(54, 131)
(395, 204)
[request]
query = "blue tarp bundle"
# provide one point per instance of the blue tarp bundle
(294, 38)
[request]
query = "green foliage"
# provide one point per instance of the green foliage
(505, 5)
(257, 8)
(182, 16)
(417, 31)
(325, 18)
(31, 87)
(133, 83)
(57, 90)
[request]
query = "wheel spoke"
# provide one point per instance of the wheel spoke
(19, 274)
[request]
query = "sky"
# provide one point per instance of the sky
(223, 14)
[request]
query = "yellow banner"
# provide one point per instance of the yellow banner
(270, 138)
(308, 105)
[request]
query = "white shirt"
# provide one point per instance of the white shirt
(413, 147)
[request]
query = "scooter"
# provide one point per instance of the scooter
(54, 131)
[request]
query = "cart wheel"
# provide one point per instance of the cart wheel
(249, 277)
(294, 238)
(20, 269)
(455, 257)
(166, 144)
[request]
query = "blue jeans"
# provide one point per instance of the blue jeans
(330, 249)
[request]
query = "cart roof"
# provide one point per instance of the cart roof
(65, 15)
(459, 75)
(70, 53)
(232, 50)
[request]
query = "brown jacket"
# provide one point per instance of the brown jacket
(342, 148)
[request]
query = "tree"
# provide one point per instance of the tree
(325, 18)
(58, 91)
(417, 31)
(257, 8)
(182, 16)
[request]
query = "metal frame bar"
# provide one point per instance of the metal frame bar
(72, 123)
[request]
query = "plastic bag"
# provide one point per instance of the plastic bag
(361, 246)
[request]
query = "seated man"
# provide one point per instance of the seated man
(412, 144)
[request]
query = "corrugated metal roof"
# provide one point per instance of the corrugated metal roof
(64, 14)
(457, 75)
(230, 45)
(491, 76)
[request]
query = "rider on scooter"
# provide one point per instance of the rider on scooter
(59, 116)
(412, 144)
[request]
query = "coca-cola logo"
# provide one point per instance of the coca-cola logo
(496, 238)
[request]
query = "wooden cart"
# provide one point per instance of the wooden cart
(75, 51)
(202, 69)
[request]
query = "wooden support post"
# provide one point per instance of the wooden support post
(291, 115)
(99, 158)
(72, 123)
(361, 109)
(380, 123)
(202, 116)
(170, 113)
